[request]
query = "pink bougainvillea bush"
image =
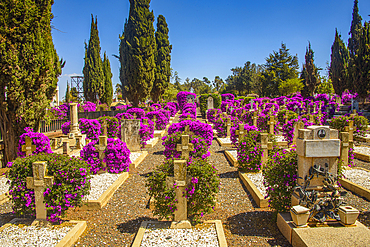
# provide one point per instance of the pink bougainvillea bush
(182, 98)
(89, 106)
(117, 156)
(162, 119)
(230, 96)
(60, 112)
(234, 136)
(113, 127)
(40, 140)
(71, 184)
(197, 127)
(90, 127)
(140, 113)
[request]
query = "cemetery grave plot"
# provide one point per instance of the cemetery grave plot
(362, 153)
(4, 189)
(357, 181)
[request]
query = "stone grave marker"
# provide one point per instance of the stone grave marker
(38, 183)
(66, 150)
(255, 118)
(74, 126)
(28, 147)
(297, 125)
(350, 129)
(210, 103)
(265, 145)
(185, 147)
(228, 126)
(271, 124)
(53, 143)
(105, 128)
(130, 133)
(241, 132)
(344, 137)
(103, 143)
(252, 107)
(354, 105)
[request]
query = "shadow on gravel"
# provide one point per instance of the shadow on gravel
(146, 175)
(364, 218)
(233, 174)
(257, 223)
(254, 204)
(132, 226)
(158, 153)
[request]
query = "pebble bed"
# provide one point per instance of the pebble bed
(206, 236)
(32, 236)
(358, 176)
(99, 184)
(225, 140)
(362, 150)
(256, 178)
(4, 187)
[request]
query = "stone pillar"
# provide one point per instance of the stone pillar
(74, 127)
(344, 136)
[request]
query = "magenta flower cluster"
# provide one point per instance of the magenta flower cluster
(162, 119)
(40, 140)
(230, 96)
(181, 98)
(140, 113)
(89, 106)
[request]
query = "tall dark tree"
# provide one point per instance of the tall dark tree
(137, 49)
(355, 31)
(310, 73)
(68, 94)
(338, 70)
(93, 84)
(360, 65)
(280, 66)
(108, 87)
(29, 68)
(162, 60)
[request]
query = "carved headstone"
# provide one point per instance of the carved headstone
(28, 147)
(130, 133)
(210, 103)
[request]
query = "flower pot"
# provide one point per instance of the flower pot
(299, 215)
(348, 215)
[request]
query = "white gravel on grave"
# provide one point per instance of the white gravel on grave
(225, 140)
(151, 140)
(280, 138)
(4, 187)
(367, 136)
(99, 184)
(157, 131)
(206, 236)
(256, 178)
(134, 156)
(32, 236)
(362, 150)
(358, 176)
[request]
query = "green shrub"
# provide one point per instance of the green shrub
(203, 101)
(71, 184)
(280, 175)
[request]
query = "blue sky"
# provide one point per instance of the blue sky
(208, 37)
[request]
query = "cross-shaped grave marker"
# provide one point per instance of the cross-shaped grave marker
(271, 123)
(350, 129)
(28, 147)
(38, 182)
(185, 147)
(297, 125)
(228, 126)
(255, 118)
(103, 143)
(265, 145)
(252, 107)
(135, 117)
(319, 116)
(241, 132)
(104, 127)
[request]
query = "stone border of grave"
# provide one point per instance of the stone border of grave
(362, 139)
(355, 188)
(231, 158)
(218, 224)
(72, 236)
(357, 235)
(137, 162)
(106, 196)
(256, 194)
(223, 144)
(360, 156)
(159, 134)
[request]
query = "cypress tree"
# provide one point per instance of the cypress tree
(137, 48)
(162, 59)
(310, 73)
(338, 70)
(93, 84)
(68, 94)
(108, 88)
(29, 68)
(360, 66)
(355, 31)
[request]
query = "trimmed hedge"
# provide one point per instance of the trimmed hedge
(203, 102)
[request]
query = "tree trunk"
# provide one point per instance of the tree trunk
(10, 138)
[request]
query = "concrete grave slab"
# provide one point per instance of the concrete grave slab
(256, 194)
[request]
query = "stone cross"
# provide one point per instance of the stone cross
(319, 116)
(265, 145)
(344, 137)
(297, 125)
(145, 121)
(103, 143)
(272, 124)
(28, 147)
(155, 122)
(105, 129)
(251, 102)
(38, 183)
(185, 147)
(187, 130)
(135, 116)
(241, 132)
(228, 126)
(350, 129)
(255, 118)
